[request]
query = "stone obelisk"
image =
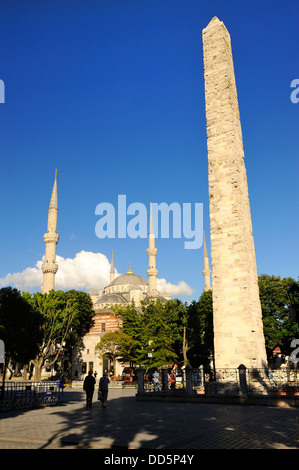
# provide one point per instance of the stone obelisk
(206, 270)
(49, 266)
(238, 329)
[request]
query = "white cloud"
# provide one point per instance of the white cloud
(25, 280)
(86, 271)
(174, 290)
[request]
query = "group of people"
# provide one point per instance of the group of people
(90, 381)
(89, 386)
(171, 379)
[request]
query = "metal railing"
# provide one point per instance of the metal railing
(272, 382)
(183, 377)
(225, 382)
(19, 395)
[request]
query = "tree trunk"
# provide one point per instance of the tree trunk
(185, 347)
(38, 366)
(25, 372)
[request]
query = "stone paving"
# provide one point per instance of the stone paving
(130, 424)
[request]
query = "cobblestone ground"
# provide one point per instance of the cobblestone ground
(130, 424)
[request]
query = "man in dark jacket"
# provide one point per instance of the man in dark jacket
(88, 387)
(103, 387)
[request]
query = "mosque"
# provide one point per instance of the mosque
(122, 290)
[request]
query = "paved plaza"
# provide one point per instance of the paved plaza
(130, 424)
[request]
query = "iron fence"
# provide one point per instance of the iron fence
(163, 383)
(19, 395)
(272, 382)
(225, 382)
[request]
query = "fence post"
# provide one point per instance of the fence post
(140, 378)
(188, 372)
(164, 379)
(242, 379)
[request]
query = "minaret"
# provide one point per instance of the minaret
(152, 251)
(237, 316)
(206, 268)
(49, 266)
(112, 270)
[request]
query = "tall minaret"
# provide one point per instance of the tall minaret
(237, 315)
(206, 268)
(49, 266)
(152, 251)
(112, 270)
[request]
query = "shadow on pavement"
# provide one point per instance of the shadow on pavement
(130, 424)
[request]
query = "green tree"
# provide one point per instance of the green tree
(113, 345)
(67, 316)
(161, 331)
(19, 327)
(132, 325)
(275, 299)
(200, 330)
(176, 314)
(293, 294)
(157, 331)
(82, 315)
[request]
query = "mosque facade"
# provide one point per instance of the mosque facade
(121, 291)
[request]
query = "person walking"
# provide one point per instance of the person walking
(88, 387)
(172, 380)
(60, 385)
(103, 387)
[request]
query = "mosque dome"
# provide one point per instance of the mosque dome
(129, 279)
(124, 288)
(111, 299)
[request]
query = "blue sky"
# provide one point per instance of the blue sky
(111, 93)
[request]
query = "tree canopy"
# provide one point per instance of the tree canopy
(200, 330)
(67, 316)
(156, 331)
(115, 344)
(279, 329)
(20, 327)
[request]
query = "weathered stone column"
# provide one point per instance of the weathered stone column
(206, 270)
(238, 329)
